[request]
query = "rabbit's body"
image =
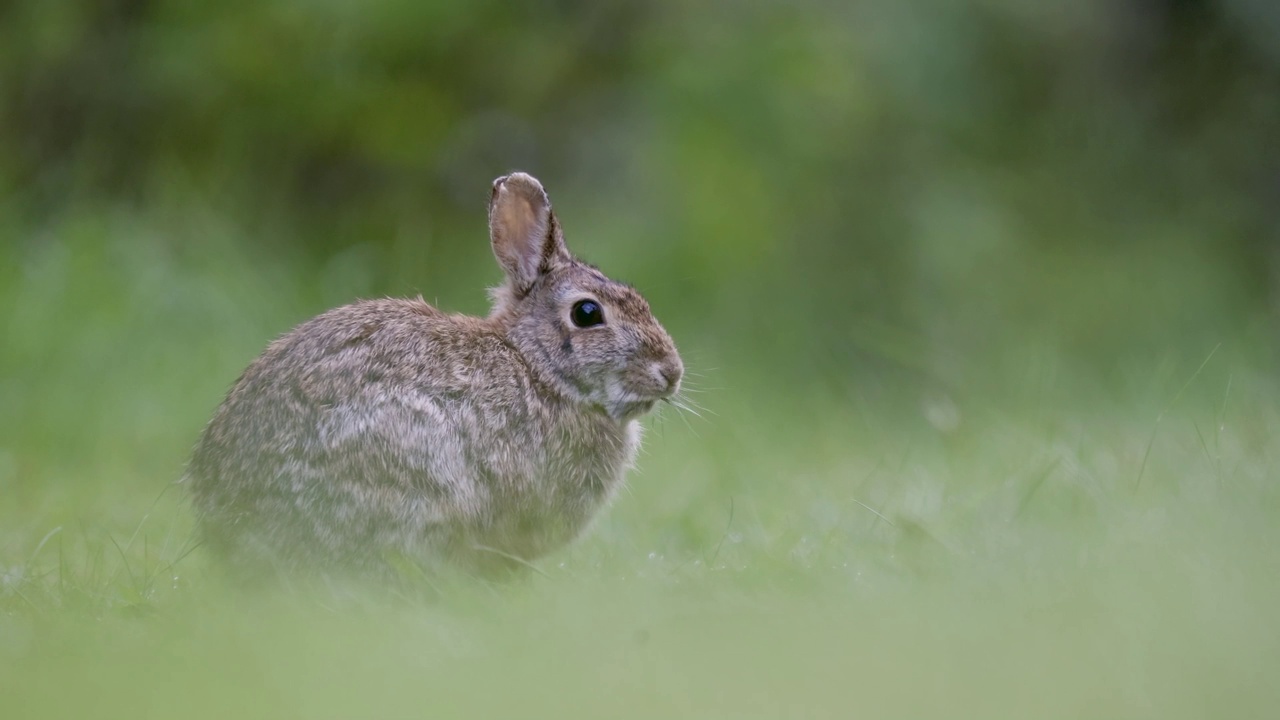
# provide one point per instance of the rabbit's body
(457, 449)
(390, 427)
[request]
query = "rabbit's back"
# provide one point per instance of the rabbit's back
(390, 426)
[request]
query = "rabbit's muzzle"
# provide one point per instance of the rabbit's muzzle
(640, 388)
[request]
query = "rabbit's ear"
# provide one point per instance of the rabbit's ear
(525, 234)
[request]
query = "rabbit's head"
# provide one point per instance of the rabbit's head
(595, 338)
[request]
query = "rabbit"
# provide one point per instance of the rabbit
(387, 429)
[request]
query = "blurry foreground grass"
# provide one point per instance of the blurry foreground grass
(1050, 550)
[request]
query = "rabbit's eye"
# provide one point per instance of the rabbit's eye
(587, 313)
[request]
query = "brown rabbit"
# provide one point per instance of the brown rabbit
(388, 428)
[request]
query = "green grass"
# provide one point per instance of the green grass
(1072, 543)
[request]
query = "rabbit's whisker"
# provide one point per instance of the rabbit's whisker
(680, 412)
(694, 407)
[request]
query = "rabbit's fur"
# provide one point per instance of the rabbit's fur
(388, 428)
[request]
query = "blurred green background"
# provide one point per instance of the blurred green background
(979, 300)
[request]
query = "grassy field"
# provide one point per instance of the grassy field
(1069, 543)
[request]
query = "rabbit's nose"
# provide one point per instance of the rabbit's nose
(668, 374)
